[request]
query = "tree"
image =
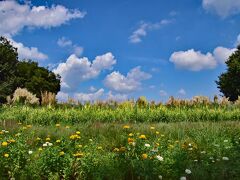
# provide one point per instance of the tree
(229, 82)
(8, 63)
(24, 74)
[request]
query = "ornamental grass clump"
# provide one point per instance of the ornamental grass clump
(23, 96)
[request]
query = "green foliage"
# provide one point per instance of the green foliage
(8, 64)
(229, 82)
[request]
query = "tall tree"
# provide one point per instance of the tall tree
(8, 64)
(229, 82)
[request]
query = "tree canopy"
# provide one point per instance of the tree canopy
(229, 82)
(25, 74)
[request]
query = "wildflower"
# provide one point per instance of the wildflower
(38, 138)
(142, 136)
(147, 145)
(4, 143)
(225, 158)
(157, 144)
(18, 134)
(40, 149)
(57, 125)
(116, 150)
(61, 153)
(58, 141)
(170, 146)
(50, 144)
(80, 146)
(78, 154)
(160, 177)
(183, 178)
(144, 156)
(30, 152)
(126, 127)
(162, 135)
(160, 158)
(203, 152)
(188, 171)
(24, 127)
(6, 155)
(130, 140)
(29, 126)
(131, 134)
(157, 132)
(67, 127)
(122, 149)
(12, 140)
(99, 148)
(48, 139)
(78, 132)
(90, 140)
(45, 145)
(152, 128)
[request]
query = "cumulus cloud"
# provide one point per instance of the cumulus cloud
(62, 97)
(14, 17)
(163, 93)
(76, 70)
(125, 84)
(64, 42)
(237, 41)
(144, 28)
(83, 97)
(182, 92)
(28, 52)
(222, 8)
(92, 89)
(116, 97)
(221, 54)
(196, 61)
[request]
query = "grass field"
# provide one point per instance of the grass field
(49, 143)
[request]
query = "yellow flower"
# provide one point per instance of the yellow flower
(74, 136)
(142, 136)
(152, 128)
(80, 146)
(78, 154)
(6, 155)
(1, 132)
(61, 153)
(99, 148)
(131, 134)
(170, 146)
(38, 138)
(122, 149)
(157, 132)
(67, 127)
(78, 132)
(157, 144)
(4, 143)
(24, 127)
(126, 127)
(58, 141)
(48, 139)
(57, 125)
(130, 140)
(29, 126)
(116, 150)
(144, 156)
(40, 149)
(12, 140)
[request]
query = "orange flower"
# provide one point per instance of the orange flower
(144, 156)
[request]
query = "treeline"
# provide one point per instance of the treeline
(23, 74)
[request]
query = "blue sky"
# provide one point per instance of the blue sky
(124, 49)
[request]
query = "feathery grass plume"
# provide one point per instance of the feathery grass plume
(22, 95)
(215, 99)
(237, 102)
(201, 100)
(48, 98)
(9, 100)
(225, 101)
(142, 101)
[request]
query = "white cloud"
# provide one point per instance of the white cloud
(28, 52)
(193, 60)
(89, 96)
(64, 42)
(238, 41)
(221, 54)
(14, 17)
(222, 8)
(92, 89)
(196, 61)
(182, 92)
(116, 97)
(163, 93)
(144, 28)
(76, 70)
(129, 83)
(62, 97)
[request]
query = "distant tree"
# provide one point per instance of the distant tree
(24, 74)
(229, 82)
(8, 64)
(37, 79)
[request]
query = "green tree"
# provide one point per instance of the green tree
(23, 74)
(37, 79)
(8, 64)
(229, 82)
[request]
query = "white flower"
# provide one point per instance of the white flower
(50, 144)
(147, 145)
(203, 152)
(160, 177)
(30, 152)
(225, 158)
(188, 171)
(195, 160)
(160, 158)
(183, 178)
(45, 145)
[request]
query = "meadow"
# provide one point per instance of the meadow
(120, 141)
